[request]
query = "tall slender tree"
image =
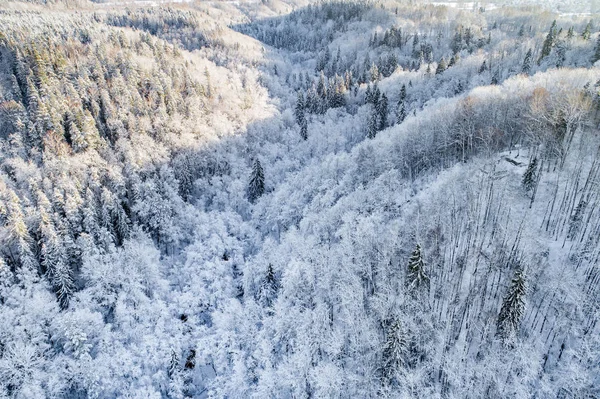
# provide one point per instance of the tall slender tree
(596, 55)
(526, 68)
(256, 187)
(548, 42)
(268, 288)
(394, 352)
(529, 177)
(513, 308)
(416, 270)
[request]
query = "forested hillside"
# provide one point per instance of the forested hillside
(289, 200)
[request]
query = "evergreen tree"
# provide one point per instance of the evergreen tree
(374, 73)
(495, 77)
(300, 106)
(267, 291)
(587, 32)
(401, 113)
(596, 56)
(468, 37)
(483, 67)
(322, 86)
(382, 110)
(54, 261)
(570, 33)
(256, 187)
(441, 67)
(456, 44)
(548, 42)
(373, 125)
(529, 176)
(403, 93)
(303, 127)
(455, 58)
(416, 270)
(394, 352)
(513, 308)
(19, 235)
(526, 68)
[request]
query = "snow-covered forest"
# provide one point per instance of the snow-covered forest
(299, 199)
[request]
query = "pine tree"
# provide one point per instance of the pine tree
(374, 73)
(382, 110)
(483, 67)
(373, 125)
(54, 261)
(267, 291)
(495, 77)
(416, 270)
(300, 106)
(256, 187)
(394, 352)
(403, 93)
(456, 44)
(441, 67)
(19, 235)
(548, 42)
(526, 68)
(322, 86)
(529, 176)
(587, 32)
(401, 114)
(596, 56)
(570, 33)
(303, 127)
(453, 60)
(513, 307)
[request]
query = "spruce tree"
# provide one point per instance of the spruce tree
(299, 109)
(570, 33)
(401, 115)
(483, 67)
(587, 32)
(529, 176)
(372, 125)
(303, 127)
(256, 187)
(394, 352)
(54, 261)
(513, 307)
(441, 67)
(495, 77)
(382, 110)
(267, 291)
(416, 270)
(548, 42)
(526, 68)
(596, 56)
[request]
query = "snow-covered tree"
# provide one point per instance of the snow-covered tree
(526, 68)
(416, 276)
(256, 186)
(513, 307)
(394, 352)
(530, 175)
